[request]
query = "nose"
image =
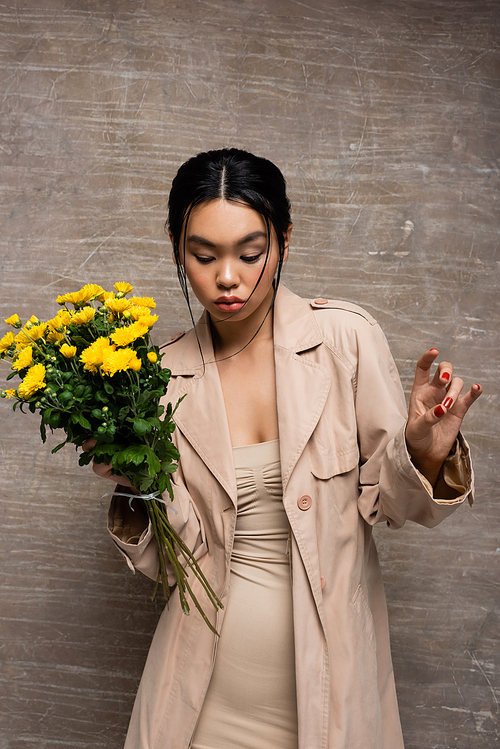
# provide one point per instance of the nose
(227, 276)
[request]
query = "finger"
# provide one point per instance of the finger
(463, 404)
(89, 444)
(424, 365)
(106, 472)
(102, 469)
(453, 393)
(443, 374)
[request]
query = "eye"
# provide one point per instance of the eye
(203, 259)
(251, 258)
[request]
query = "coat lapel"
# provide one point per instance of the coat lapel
(201, 416)
(302, 385)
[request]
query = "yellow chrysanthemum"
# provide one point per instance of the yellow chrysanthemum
(68, 351)
(33, 381)
(85, 294)
(153, 358)
(64, 315)
(6, 342)
(122, 287)
(93, 291)
(143, 301)
(24, 359)
(84, 316)
(137, 311)
(53, 336)
(13, 320)
(120, 360)
(31, 332)
(117, 306)
(58, 323)
(10, 393)
(73, 297)
(92, 357)
(124, 336)
(148, 320)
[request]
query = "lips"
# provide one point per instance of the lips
(229, 303)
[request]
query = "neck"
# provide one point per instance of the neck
(231, 336)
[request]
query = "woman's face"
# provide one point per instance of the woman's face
(225, 254)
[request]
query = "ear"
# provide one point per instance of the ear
(287, 236)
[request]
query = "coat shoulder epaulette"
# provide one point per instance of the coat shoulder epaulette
(341, 305)
(174, 338)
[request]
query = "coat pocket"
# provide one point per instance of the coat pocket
(324, 466)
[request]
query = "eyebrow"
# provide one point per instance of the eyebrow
(197, 239)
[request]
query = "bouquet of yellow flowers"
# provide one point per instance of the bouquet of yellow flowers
(93, 371)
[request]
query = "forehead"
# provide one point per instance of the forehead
(225, 219)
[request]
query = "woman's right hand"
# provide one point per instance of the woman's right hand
(106, 471)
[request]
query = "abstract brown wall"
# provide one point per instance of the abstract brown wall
(384, 117)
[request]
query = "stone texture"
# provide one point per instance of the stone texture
(384, 118)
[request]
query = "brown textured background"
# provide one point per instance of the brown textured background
(384, 117)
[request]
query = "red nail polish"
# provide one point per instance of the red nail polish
(477, 386)
(445, 376)
(448, 403)
(439, 411)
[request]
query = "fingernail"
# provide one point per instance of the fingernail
(439, 411)
(445, 376)
(478, 387)
(448, 402)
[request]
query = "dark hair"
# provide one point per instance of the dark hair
(234, 175)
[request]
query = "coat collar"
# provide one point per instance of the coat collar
(302, 389)
(294, 328)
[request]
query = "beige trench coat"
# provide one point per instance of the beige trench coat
(341, 416)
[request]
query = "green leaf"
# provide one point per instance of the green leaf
(123, 412)
(83, 421)
(54, 419)
(108, 387)
(137, 454)
(141, 427)
(85, 459)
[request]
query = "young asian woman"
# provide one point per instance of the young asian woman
(294, 441)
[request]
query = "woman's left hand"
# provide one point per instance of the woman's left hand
(435, 414)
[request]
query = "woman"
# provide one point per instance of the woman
(294, 442)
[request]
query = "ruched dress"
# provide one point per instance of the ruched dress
(251, 700)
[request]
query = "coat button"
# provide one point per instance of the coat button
(321, 301)
(323, 583)
(304, 502)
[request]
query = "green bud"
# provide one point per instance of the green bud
(105, 409)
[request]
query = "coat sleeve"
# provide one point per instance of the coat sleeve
(132, 532)
(391, 488)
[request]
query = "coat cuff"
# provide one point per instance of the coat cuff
(131, 540)
(455, 481)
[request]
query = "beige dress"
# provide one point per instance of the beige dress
(251, 700)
